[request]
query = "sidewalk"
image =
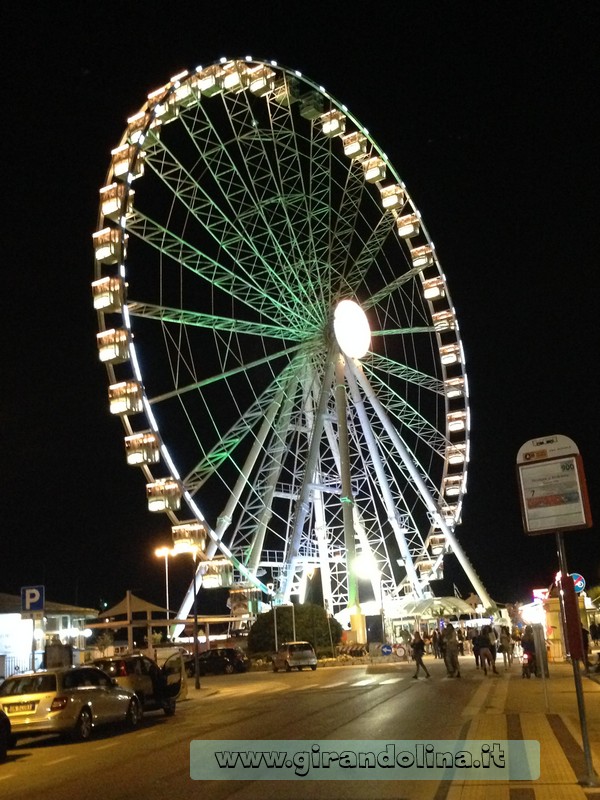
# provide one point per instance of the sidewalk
(545, 710)
(511, 707)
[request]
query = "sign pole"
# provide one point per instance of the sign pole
(572, 626)
(554, 499)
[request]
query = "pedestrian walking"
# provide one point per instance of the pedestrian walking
(491, 633)
(506, 647)
(418, 651)
(435, 643)
(485, 653)
(451, 652)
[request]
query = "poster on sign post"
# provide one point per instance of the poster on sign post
(553, 490)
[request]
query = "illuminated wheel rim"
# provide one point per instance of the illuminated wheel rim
(242, 204)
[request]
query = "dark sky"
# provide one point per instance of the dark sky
(488, 112)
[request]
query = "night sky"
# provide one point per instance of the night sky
(488, 112)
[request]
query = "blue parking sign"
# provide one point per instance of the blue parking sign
(32, 598)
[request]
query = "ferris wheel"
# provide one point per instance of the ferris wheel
(280, 340)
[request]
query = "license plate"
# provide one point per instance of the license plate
(19, 708)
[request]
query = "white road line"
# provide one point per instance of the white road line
(59, 760)
(107, 746)
(4, 777)
(366, 682)
(331, 685)
(391, 680)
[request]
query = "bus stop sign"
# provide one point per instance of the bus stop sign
(552, 485)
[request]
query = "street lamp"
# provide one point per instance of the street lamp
(275, 607)
(165, 552)
(190, 538)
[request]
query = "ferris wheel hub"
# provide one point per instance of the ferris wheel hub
(352, 329)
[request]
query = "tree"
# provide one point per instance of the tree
(104, 641)
(312, 625)
(594, 593)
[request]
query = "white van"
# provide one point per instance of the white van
(295, 654)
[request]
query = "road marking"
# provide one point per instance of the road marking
(59, 760)
(478, 700)
(366, 682)
(331, 685)
(4, 777)
(107, 746)
(146, 733)
(391, 680)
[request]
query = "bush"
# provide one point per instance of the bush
(312, 625)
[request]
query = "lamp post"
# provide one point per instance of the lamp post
(165, 552)
(196, 654)
(274, 607)
(189, 537)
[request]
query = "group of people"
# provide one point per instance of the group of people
(445, 643)
(485, 644)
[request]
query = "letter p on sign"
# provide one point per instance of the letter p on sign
(32, 598)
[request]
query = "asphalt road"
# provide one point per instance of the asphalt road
(334, 703)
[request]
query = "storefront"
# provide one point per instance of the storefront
(23, 642)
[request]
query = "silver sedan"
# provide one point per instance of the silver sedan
(66, 700)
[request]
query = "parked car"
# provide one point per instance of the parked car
(156, 687)
(295, 654)
(218, 660)
(5, 735)
(66, 700)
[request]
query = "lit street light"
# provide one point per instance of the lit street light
(165, 552)
(190, 538)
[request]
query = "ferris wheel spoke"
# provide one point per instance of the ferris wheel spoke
(200, 263)
(369, 252)
(420, 427)
(388, 290)
(261, 196)
(243, 427)
(427, 329)
(224, 376)
(208, 321)
(382, 365)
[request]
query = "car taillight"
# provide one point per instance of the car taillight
(59, 703)
(122, 670)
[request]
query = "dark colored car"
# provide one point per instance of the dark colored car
(218, 660)
(5, 737)
(156, 687)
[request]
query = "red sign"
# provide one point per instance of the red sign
(572, 620)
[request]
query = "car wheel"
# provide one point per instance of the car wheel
(313, 667)
(83, 727)
(300, 669)
(287, 667)
(134, 713)
(275, 669)
(169, 707)
(3, 747)
(229, 669)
